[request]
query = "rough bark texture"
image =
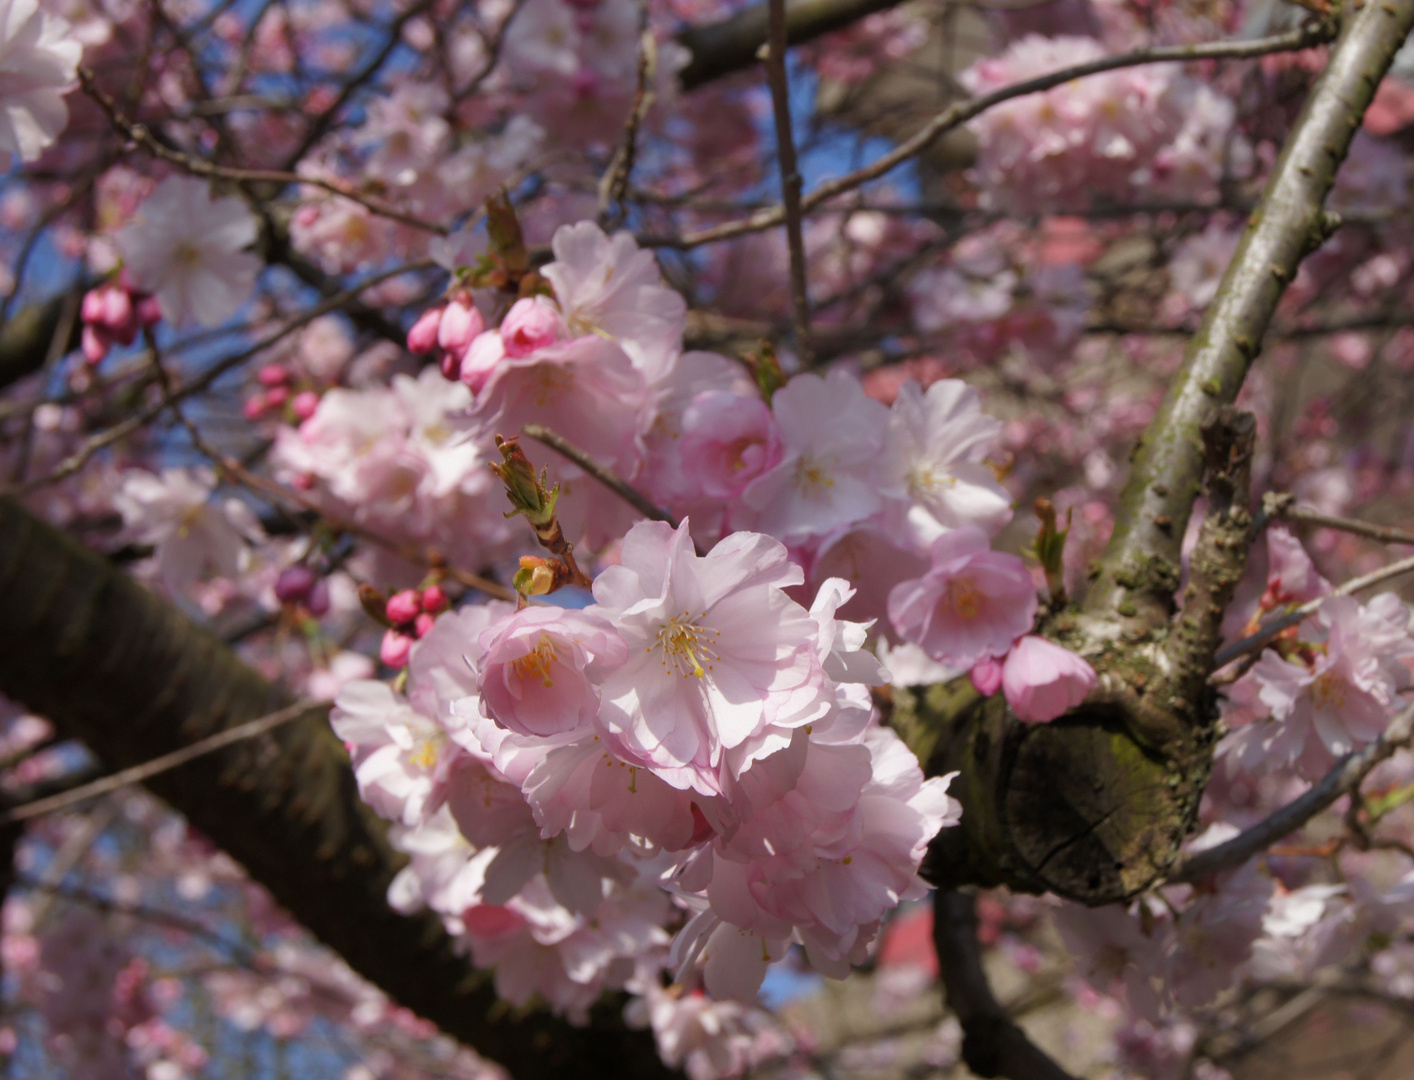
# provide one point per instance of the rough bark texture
(124, 671)
(1095, 805)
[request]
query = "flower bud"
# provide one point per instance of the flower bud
(434, 599)
(277, 396)
(403, 607)
(294, 584)
(273, 375)
(422, 338)
(395, 648)
(423, 623)
(317, 603)
(304, 404)
(94, 342)
(531, 324)
(460, 323)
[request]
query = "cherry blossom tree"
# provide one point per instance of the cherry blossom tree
(560, 595)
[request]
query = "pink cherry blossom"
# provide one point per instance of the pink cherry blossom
(540, 667)
(971, 604)
(39, 59)
(1043, 680)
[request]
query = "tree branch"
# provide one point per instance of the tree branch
(728, 46)
(791, 182)
(959, 113)
(1345, 777)
(1288, 224)
(122, 669)
(992, 1043)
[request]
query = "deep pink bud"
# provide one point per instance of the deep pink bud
(987, 676)
(149, 311)
(403, 607)
(531, 325)
(91, 310)
(117, 308)
(451, 365)
(277, 396)
(317, 603)
(434, 599)
(423, 623)
(460, 323)
(273, 375)
(395, 648)
(94, 342)
(304, 404)
(294, 584)
(254, 407)
(422, 338)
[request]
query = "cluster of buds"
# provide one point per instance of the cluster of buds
(530, 498)
(113, 313)
(408, 615)
(277, 392)
(448, 330)
(300, 587)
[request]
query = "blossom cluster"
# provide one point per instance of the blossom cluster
(694, 747)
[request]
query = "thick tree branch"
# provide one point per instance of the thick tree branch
(725, 47)
(1288, 224)
(992, 1043)
(120, 668)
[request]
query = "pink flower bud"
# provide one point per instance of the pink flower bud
(434, 599)
(273, 375)
(460, 323)
(531, 325)
(451, 365)
(149, 311)
(254, 407)
(1042, 680)
(91, 310)
(423, 623)
(395, 649)
(117, 308)
(987, 676)
(94, 343)
(293, 584)
(317, 603)
(277, 396)
(403, 607)
(304, 405)
(303, 482)
(422, 338)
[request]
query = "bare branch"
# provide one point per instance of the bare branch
(602, 473)
(1283, 507)
(791, 182)
(992, 1043)
(1344, 778)
(959, 113)
(1268, 632)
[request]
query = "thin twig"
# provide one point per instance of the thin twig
(1344, 777)
(142, 136)
(1284, 507)
(791, 182)
(139, 773)
(1228, 653)
(602, 473)
(613, 188)
(959, 113)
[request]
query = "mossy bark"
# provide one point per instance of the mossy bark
(126, 672)
(1095, 805)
